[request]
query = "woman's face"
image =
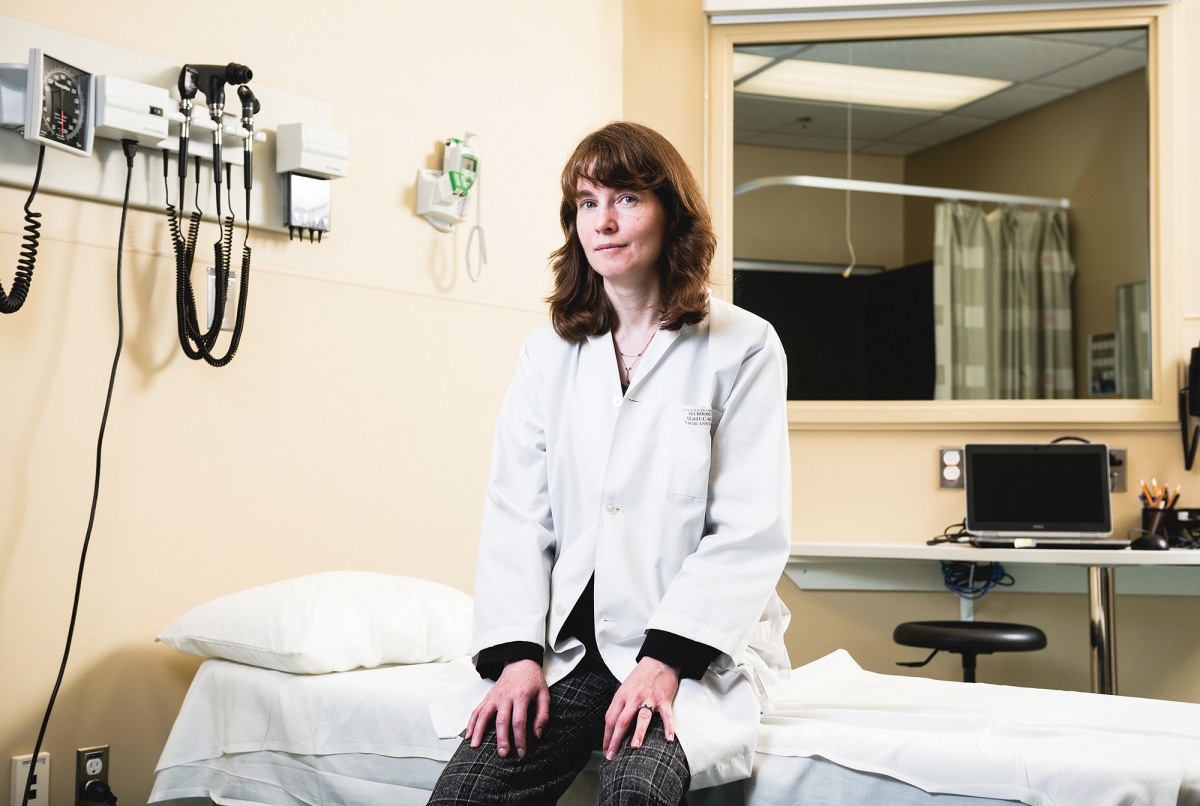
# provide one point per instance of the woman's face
(621, 231)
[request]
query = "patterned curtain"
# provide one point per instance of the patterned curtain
(962, 251)
(1002, 304)
(1133, 341)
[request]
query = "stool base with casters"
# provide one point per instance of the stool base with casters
(969, 639)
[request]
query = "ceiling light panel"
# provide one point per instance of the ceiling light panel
(1008, 58)
(746, 63)
(871, 86)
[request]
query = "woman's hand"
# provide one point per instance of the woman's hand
(651, 682)
(521, 684)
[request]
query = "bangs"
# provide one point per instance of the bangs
(609, 162)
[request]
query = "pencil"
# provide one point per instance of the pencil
(1145, 492)
(1175, 497)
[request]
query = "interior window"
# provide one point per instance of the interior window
(948, 218)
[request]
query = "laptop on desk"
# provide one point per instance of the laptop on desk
(1039, 496)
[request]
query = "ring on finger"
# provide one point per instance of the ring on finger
(647, 706)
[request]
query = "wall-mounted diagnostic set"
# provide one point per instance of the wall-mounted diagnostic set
(210, 80)
(444, 196)
(56, 100)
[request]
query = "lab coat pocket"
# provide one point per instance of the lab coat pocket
(690, 435)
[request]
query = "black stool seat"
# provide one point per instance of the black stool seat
(969, 639)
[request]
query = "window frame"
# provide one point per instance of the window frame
(1165, 277)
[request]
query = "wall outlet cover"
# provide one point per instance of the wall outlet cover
(1117, 464)
(91, 764)
(40, 793)
(950, 468)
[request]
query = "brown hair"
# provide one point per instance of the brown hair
(629, 156)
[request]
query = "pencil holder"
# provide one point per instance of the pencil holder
(1163, 521)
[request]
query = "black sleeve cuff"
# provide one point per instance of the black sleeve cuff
(491, 660)
(692, 657)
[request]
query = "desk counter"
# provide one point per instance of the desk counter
(1100, 573)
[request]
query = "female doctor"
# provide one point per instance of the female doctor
(637, 517)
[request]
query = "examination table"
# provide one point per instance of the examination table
(838, 735)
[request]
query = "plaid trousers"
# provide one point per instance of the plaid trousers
(657, 773)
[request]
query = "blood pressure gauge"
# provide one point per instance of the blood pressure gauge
(58, 110)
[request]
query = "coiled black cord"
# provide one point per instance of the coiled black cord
(15, 298)
(185, 301)
(172, 219)
(195, 344)
(223, 274)
(243, 288)
(130, 148)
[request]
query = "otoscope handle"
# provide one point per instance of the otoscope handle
(183, 157)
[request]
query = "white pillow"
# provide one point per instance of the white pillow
(329, 622)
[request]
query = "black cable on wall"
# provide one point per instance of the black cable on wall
(130, 147)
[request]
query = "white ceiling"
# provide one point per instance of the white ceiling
(1042, 67)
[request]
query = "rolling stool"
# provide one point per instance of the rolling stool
(969, 639)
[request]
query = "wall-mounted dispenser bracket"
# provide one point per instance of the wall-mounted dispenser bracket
(436, 202)
(443, 196)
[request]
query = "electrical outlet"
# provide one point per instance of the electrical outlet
(39, 794)
(91, 764)
(950, 468)
(1117, 463)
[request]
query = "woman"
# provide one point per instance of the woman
(637, 518)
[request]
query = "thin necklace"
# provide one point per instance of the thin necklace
(629, 366)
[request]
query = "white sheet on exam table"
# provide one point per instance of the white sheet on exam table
(1041, 747)
(232, 708)
(1037, 746)
(282, 779)
(272, 778)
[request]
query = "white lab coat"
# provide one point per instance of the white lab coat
(676, 495)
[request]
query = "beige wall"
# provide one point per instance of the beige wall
(809, 224)
(662, 72)
(354, 428)
(1092, 148)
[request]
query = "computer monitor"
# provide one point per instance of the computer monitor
(1041, 491)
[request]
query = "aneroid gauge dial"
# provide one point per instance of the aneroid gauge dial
(60, 104)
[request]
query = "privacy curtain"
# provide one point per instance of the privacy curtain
(1133, 341)
(1002, 303)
